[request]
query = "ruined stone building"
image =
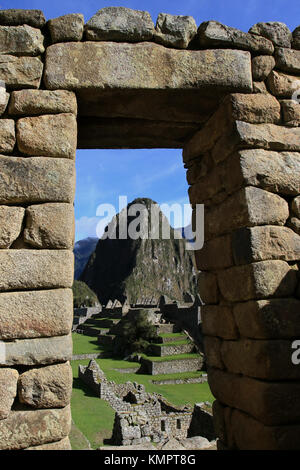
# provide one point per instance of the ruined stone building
(230, 100)
(143, 417)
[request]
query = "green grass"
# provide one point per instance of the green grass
(177, 394)
(171, 335)
(77, 439)
(172, 343)
(175, 357)
(94, 417)
(83, 344)
(179, 375)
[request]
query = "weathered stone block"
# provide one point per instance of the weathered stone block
(206, 187)
(282, 85)
(291, 112)
(260, 87)
(251, 434)
(7, 135)
(294, 224)
(215, 254)
(247, 207)
(35, 269)
(133, 133)
(262, 66)
(218, 320)
(275, 31)
(254, 108)
(4, 98)
(198, 168)
(296, 38)
(35, 427)
(271, 403)
(212, 348)
(30, 102)
(11, 219)
(46, 387)
(21, 72)
(265, 243)
(49, 135)
(8, 390)
(14, 17)
(50, 226)
(288, 60)
(21, 40)
(38, 351)
(66, 28)
(19, 176)
(273, 171)
(88, 65)
(264, 136)
(63, 444)
(296, 206)
(273, 318)
(208, 287)
(120, 24)
(35, 313)
(259, 280)
(213, 33)
(174, 30)
(248, 357)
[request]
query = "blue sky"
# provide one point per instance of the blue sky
(103, 175)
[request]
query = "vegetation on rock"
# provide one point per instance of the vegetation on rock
(83, 296)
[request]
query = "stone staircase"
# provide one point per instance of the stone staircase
(172, 352)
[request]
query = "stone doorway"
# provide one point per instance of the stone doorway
(227, 101)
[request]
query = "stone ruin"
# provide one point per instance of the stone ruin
(143, 417)
(229, 99)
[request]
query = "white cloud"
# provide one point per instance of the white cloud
(86, 227)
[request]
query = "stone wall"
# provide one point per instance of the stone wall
(244, 165)
(82, 314)
(232, 92)
(187, 316)
(201, 423)
(140, 416)
(172, 366)
(38, 138)
(138, 428)
(165, 350)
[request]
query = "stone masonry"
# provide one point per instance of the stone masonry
(230, 99)
(142, 417)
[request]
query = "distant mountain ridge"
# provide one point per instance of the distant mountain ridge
(82, 252)
(142, 268)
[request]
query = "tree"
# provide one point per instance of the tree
(137, 333)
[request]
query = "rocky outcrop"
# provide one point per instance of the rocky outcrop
(120, 269)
